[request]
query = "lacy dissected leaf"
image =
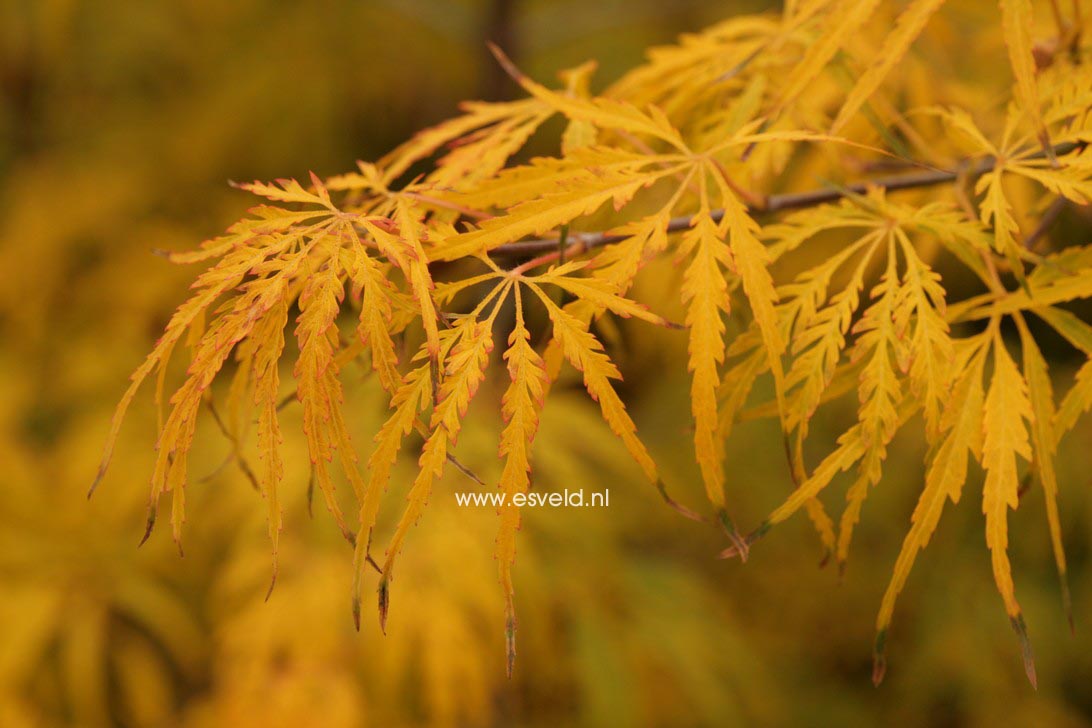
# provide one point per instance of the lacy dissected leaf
(960, 438)
(599, 292)
(579, 133)
(289, 190)
(1069, 326)
(265, 223)
(494, 125)
(642, 239)
(851, 448)
(318, 386)
(210, 286)
(1044, 442)
(879, 347)
(1077, 401)
(1017, 21)
(839, 26)
(270, 343)
(679, 77)
(481, 155)
(920, 320)
(1062, 286)
(469, 344)
(907, 29)
(586, 354)
(1006, 441)
(376, 314)
(583, 167)
(751, 263)
(234, 323)
(997, 212)
(520, 407)
(739, 379)
(553, 202)
(705, 293)
(412, 396)
(799, 270)
(1069, 180)
(605, 113)
(415, 265)
(820, 337)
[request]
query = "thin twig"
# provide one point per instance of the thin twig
(236, 452)
(1046, 222)
(775, 203)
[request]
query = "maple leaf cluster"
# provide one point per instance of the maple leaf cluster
(684, 158)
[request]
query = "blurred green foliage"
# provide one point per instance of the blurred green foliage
(119, 123)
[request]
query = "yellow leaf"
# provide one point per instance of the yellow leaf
(267, 396)
(851, 448)
(554, 208)
(411, 397)
(211, 285)
(1017, 20)
(520, 407)
(585, 353)
(920, 317)
(1077, 401)
(599, 292)
(961, 427)
(705, 293)
(477, 115)
(751, 260)
(376, 314)
(289, 190)
(605, 113)
(1006, 437)
(839, 26)
(318, 388)
(416, 270)
(1044, 440)
(471, 342)
(895, 45)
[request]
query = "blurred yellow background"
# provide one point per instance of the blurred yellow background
(120, 122)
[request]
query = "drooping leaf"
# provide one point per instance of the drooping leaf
(1006, 440)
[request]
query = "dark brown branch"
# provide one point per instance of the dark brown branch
(774, 203)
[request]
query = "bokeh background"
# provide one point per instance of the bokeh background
(120, 122)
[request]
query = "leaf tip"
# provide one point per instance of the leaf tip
(1067, 604)
(505, 62)
(149, 525)
(98, 479)
(272, 583)
(510, 640)
(384, 601)
(1021, 629)
(879, 658)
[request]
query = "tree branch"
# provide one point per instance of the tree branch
(774, 203)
